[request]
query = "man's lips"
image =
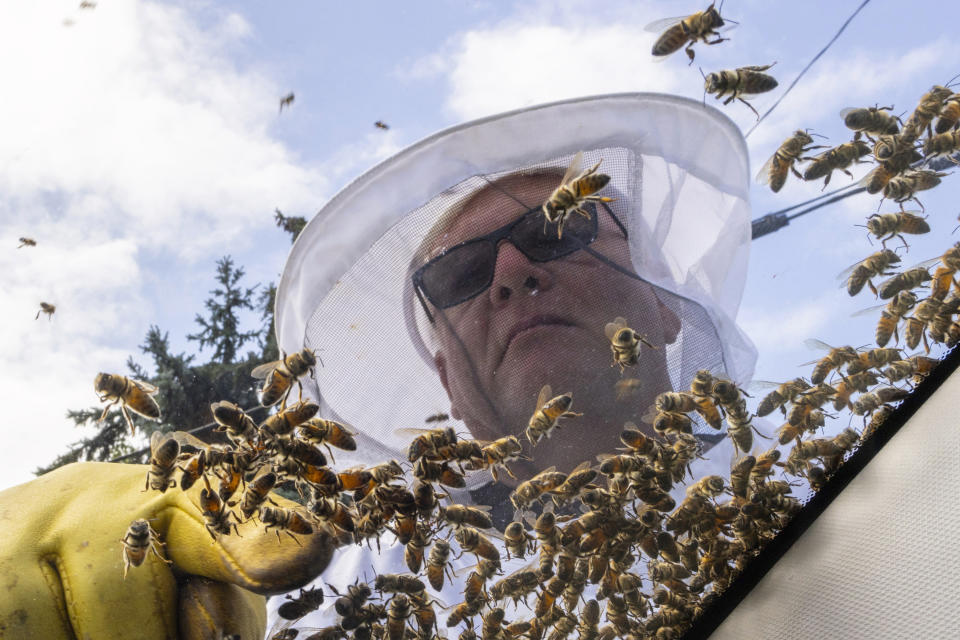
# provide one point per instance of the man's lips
(529, 323)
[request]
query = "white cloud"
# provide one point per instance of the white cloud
(130, 135)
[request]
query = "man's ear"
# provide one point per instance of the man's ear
(669, 322)
(441, 363)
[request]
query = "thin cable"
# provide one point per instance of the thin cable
(826, 202)
(820, 197)
(806, 68)
(191, 432)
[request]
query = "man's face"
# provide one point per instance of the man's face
(543, 323)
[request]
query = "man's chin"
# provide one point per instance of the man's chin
(556, 355)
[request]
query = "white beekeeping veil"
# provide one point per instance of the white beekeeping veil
(679, 171)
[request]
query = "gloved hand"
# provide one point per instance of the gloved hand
(61, 561)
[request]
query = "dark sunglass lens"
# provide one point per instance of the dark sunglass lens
(530, 237)
(458, 275)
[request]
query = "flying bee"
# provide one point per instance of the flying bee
(27, 242)
(137, 542)
(472, 541)
(739, 82)
(279, 376)
(891, 225)
(929, 108)
(499, 452)
(380, 124)
(164, 451)
(876, 264)
(836, 159)
(699, 26)
(286, 520)
(870, 120)
(134, 395)
(286, 101)
(328, 432)
(873, 359)
(775, 171)
(548, 414)
(949, 114)
(624, 342)
(517, 540)
(946, 145)
(458, 515)
(904, 187)
(47, 308)
(576, 189)
(905, 281)
(306, 601)
(437, 561)
(780, 396)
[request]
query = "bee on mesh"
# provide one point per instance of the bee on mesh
(278, 376)
(576, 189)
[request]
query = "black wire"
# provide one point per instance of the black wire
(806, 68)
(196, 430)
(820, 197)
(826, 202)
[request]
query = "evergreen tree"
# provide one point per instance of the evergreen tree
(222, 329)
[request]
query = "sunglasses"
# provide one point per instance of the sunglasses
(466, 270)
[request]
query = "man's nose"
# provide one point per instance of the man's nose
(516, 275)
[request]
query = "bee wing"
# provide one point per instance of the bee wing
(187, 440)
(611, 328)
(845, 112)
(574, 169)
(544, 396)
(763, 176)
(762, 384)
(263, 370)
(157, 438)
(583, 466)
(817, 345)
(663, 24)
(411, 431)
(149, 389)
(649, 415)
(868, 311)
(550, 469)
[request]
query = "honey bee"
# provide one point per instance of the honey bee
(517, 541)
(774, 172)
(516, 586)
(740, 430)
(739, 82)
(232, 419)
(949, 114)
(472, 541)
(134, 395)
(892, 225)
(580, 477)
(27, 242)
(229, 483)
(351, 603)
(874, 265)
(674, 422)
(499, 452)
(329, 432)
(287, 520)
(529, 491)
(458, 515)
(870, 120)
(891, 148)
(898, 307)
(548, 414)
(929, 108)
(400, 583)
(47, 308)
(902, 188)
(686, 31)
(285, 421)
(380, 124)
(137, 542)
(905, 281)
(286, 101)
(877, 179)
(464, 611)
(336, 513)
(836, 159)
(780, 396)
(301, 451)
(306, 601)
(740, 476)
(917, 366)
(943, 145)
(867, 403)
(859, 382)
(576, 189)
(164, 451)
(913, 332)
(217, 519)
(279, 375)
(429, 442)
(873, 359)
(398, 613)
(624, 342)
(437, 560)
(835, 358)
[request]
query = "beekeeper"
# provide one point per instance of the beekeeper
(429, 285)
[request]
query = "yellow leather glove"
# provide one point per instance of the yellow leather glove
(61, 561)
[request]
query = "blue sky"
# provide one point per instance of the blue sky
(142, 142)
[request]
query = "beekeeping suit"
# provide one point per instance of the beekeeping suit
(422, 294)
